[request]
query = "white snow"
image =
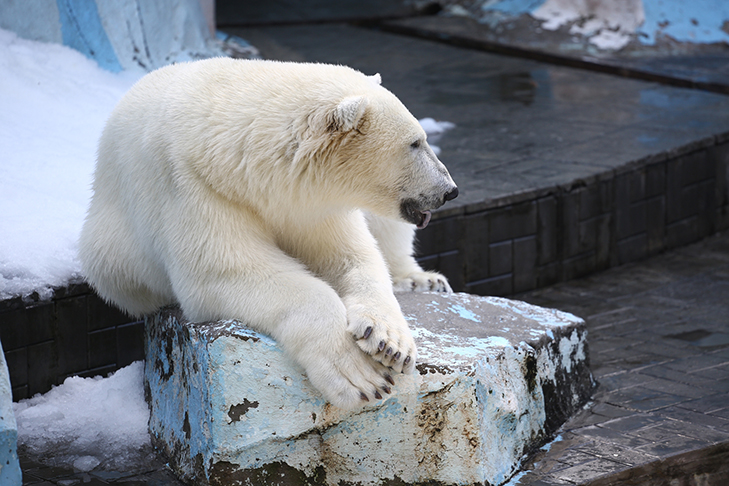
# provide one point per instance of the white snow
(608, 24)
(435, 129)
(89, 422)
(53, 106)
(54, 102)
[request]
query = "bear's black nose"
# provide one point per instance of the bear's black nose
(451, 194)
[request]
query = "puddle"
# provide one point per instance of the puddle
(702, 338)
(480, 87)
(521, 87)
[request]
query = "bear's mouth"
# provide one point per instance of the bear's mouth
(425, 219)
(411, 212)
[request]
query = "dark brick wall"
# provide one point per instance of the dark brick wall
(75, 333)
(547, 237)
(568, 232)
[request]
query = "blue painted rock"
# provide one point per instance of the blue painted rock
(495, 377)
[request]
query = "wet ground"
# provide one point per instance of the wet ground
(659, 348)
(704, 66)
(659, 331)
(520, 125)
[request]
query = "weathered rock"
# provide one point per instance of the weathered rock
(495, 378)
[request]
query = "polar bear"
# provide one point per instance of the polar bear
(284, 195)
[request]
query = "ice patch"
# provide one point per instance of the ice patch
(88, 423)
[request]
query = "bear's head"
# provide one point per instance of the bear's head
(381, 156)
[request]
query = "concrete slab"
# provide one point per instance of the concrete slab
(495, 378)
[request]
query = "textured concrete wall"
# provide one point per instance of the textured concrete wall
(119, 34)
(495, 378)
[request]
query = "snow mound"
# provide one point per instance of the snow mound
(89, 423)
(54, 103)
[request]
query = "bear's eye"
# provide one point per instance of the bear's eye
(415, 144)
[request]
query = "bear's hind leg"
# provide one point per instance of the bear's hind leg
(116, 267)
(396, 241)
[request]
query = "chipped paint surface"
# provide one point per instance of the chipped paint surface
(228, 406)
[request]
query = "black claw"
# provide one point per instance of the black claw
(386, 389)
(389, 379)
(397, 356)
(407, 360)
(381, 346)
(367, 332)
(363, 396)
(388, 352)
(377, 395)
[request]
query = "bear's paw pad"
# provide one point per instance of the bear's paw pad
(387, 339)
(422, 282)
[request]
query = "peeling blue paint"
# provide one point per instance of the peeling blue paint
(513, 7)
(464, 313)
(698, 21)
(82, 29)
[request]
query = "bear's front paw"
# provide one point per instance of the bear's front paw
(386, 338)
(421, 282)
(347, 377)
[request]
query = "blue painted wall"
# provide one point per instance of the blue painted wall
(119, 34)
(696, 21)
(81, 29)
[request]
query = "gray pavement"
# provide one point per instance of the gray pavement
(659, 348)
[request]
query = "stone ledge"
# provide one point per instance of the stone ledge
(495, 378)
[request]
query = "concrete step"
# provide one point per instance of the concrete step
(495, 378)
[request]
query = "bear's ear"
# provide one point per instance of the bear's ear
(348, 113)
(376, 78)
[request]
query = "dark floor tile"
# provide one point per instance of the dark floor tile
(707, 404)
(674, 388)
(630, 423)
(708, 420)
(615, 451)
(588, 471)
(675, 445)
(698, 364)
(609, 411)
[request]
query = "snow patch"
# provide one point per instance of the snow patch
(54, 104)
(609, 25)
(89, 423)
(434, 130)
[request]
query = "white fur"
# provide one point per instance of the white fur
(234, 188)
